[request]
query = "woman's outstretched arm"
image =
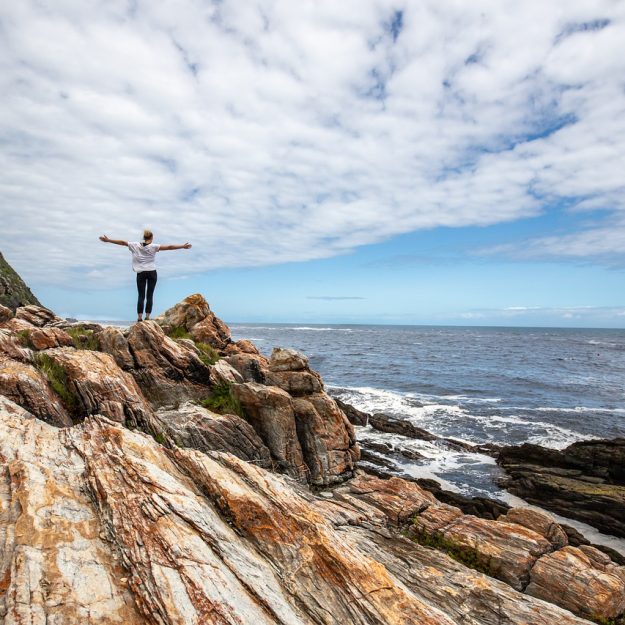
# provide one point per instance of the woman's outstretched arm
(164, 248)
(116, 241)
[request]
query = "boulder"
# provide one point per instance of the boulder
(355, 416)
(287, 360)
(223, 372)
(270, 412)
(11, 347)
(252, 368)
(185, 314)
(36, 315)
(47, 338)
(16, 325)
(27, 386)
(96, 385)
(584, 585)
(193, 426)
(113, 342)
(393, 425)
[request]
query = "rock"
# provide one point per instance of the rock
(11, 348)
(434, 518)
(242, 346)
(27, 386)
(213, 331)
(36, 315)
(16, 325)
(539, 521)
(384, 423)
(287, 360)
(96, 385)
(355, 416)
(563, 491)
(104, 525)
(270, 412)
(165, 370)
(47, 338)
(113, 342)
(251, 367)
(296, 383)
(185, 314)
(223, 372)
(196, 427)
(13, 290)
(5, 313)
(586, 586)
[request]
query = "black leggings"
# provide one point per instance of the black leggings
(145, 278)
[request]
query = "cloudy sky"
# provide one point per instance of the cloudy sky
(359, 161)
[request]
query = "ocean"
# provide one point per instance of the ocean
(547, 386)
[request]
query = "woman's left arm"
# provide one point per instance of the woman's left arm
(164, 248)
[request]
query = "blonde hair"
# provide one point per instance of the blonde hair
(147, 234)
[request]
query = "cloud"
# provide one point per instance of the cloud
(268, 132)
(333, 298)
(527, 314)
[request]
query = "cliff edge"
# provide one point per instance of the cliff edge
(13, 290)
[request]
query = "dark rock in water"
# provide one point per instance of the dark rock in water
(482, 507)
(378, 460)
(411, 454)
(383, 448)
(585, 481)
(355, 416)
(13, 291)
(384, 423)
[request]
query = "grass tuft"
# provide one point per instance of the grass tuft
(222, 401)
(179, 332)
(84, 338)
(57, 378)
(208, 354)
(23, 338)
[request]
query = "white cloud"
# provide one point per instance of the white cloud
(273, 131)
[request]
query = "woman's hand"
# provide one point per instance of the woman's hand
(187, 246)
(104, 238)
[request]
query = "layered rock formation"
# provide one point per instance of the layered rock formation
(585, 481)
(141, 484)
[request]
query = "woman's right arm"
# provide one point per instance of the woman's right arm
(115, 241)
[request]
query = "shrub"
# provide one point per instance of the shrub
(83, 338)
(179, 332)
(208, 354)
(23, 338)
(222, 401)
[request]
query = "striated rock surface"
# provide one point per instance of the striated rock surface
(585, 481)
(103, 525)
(36, 315)
(192, 426)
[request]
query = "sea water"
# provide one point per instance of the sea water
(507, 386)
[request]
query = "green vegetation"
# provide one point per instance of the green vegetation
(222, 401)
(13, 290)
(469, 556)
(619, 620)
(179, 332)
(208, 354)
(83, 338)
(23, 338)
(58, 381)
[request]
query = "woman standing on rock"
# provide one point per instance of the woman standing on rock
(144, 265)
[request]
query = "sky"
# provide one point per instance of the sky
(363, 161)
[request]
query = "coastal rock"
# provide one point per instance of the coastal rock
(198, 428)
(355, 416)
(165, 370)
(96, 385)
(579, 583)
(569, 493)
(385, 423)
(10, 347)
(16, 325)
(539, 521)
(36, 315)
(223, 372)
(47, 338)
(25, 385)
(185, 314)
(287, 360)
(252, 368)
(213, 331)
(242, 346)
(296, 383)
(113, 342)
(270, 412)
(104, 525)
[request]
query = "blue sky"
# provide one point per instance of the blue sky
(361, 162)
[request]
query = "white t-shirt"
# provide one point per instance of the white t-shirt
(143, 256)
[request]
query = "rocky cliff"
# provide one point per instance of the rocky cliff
(166, 474)
(13, 290)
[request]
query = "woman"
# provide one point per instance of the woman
(143, 264)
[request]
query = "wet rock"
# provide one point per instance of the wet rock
(193, 426)
(355, 416)
(385, 423)
(588, 586)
